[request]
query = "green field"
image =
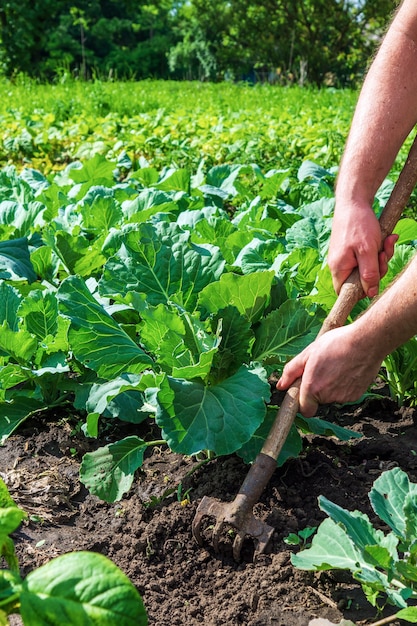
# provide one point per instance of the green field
(154, 262)
(163, 254)
(172, 123)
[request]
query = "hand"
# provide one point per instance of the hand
(336, 367)
(356, 242)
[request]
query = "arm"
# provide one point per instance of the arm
(385, 114)
(341, 364)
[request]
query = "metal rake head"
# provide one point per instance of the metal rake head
(237, 515)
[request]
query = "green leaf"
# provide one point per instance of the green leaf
(406, 229)
(286, 331)
(24, 216)
(298, 270)
(40, 312)
(309, 169)
(16, 411)
(258, 255)
(313, 231)
(324, 294)
(174, 180)
(122, 397)
(10, 518)
(165, 269)
(272, 182)
(100, 211)
(318, 426)
(236, 338)
(388, 496)
(249, 294)
(224, 177)
(96, 339)
(407, 570)
(20, 345)
(94, 170)
(15, 261)
(82, 589)
(78, 253)
(10, 587)
(108, 472)
(330, 548)
(12, 375)
(179, 340)
(5, 498)
(402, 255)
(9, 303)
(358, 527)
(220, 417)
(214, 229)
(408, 615)
(45, 263)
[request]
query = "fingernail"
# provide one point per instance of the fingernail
(372, 292)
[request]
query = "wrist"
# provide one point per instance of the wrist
(371, 337)
(356, 195)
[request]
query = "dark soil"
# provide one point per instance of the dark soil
(180, 582)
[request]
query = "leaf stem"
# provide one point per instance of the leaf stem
(157, 442)
(10, 603)
(385, 620)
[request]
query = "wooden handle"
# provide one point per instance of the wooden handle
(351, 292)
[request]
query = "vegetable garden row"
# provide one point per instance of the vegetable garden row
(163, 267)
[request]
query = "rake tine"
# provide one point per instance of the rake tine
(196, 528)
(237, 544)
(217, 534)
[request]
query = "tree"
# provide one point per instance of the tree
(23, 34)
(123, 37)
(315, 40)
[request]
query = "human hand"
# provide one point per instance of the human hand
(356, 242)
(336, 367)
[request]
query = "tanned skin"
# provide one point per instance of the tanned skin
(340, 365)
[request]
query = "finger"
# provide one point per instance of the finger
(369, 275)
(383, 263)
(308, 404)
(386, 254)
(293, 370)
(389, 245)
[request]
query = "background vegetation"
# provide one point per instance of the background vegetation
(180, 124)
(315, 41)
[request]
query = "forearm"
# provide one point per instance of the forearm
(386, 111)
(392, 318)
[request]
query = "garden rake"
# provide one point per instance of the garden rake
(238, 514)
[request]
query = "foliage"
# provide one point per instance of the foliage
(384, 564)
(131, 291)
(111, 39)
(160, 295)
(191, 125)
(315, 41)
(319, 42)
(79, 588)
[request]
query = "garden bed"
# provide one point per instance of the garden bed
(148, 533)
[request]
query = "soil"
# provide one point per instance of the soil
(148, 533)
